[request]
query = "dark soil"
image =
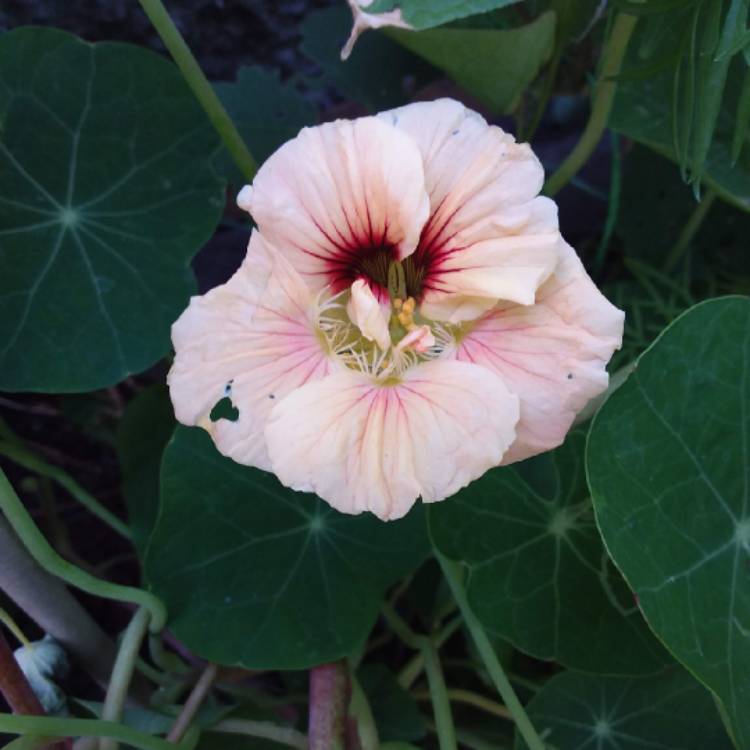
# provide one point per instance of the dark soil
(223, 34)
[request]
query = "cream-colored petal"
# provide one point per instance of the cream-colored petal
(254, 356)
(214, 327)
(363, 446)
(368, 314)
(490, 235)
(333, 196)
(552, 354)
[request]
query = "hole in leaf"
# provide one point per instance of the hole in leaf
(225, 409)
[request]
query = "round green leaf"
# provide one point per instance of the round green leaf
(538, 573)
(668, 712)
(106, 193)
(669, 469)
(258, 575)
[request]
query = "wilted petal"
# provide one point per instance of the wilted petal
(552, 354)
(363, 21)
(340, 199)
(254, 359)
(368, 314)
(41, 663)
(489, 234)
(363, 446)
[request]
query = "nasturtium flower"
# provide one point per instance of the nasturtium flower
(407, 315)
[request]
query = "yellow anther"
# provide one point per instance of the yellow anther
(397, 303)
(410, 305)
(405, 318)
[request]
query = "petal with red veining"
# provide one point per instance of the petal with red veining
(552, 354)
(368, 446)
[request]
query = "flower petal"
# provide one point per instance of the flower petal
(214, 327)
(255, 354)
(334, 196)
(552, 354)
(363, 446)
(368, 315)
(489, 234)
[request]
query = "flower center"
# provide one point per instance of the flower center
(411, 338)
(373, 264)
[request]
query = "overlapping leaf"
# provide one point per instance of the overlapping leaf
(266, 112)
(379, 73)
(514, 57)
(689, 114)
(669, 711)
(424, 14)
(106, 193)
(395, 711)
(669, 469)
(538, 574)
(144, 431)
(258, 575)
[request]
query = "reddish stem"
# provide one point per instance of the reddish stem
(330, 690)
(16, 690)
(14, 685)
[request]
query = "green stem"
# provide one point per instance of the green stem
(43, 553)
(441, 706)
(601, 107)
(359, 709)
(452, 573)
(48, 726)
(690, 230)
(262, 729)
(414, 668)
(549, 83)
(23, 457)
(122, 673)
(399, 626)
(29, 742)
(613, 204)
(471, 699)
(198, 694)
(200, 86)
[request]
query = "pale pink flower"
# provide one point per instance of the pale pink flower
(407, 315)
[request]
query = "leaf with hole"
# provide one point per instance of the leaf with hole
(538, 573)
(106, 193)
(668, 462)
(670, 711)
(258, 575)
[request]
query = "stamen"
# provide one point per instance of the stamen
(396, 281)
